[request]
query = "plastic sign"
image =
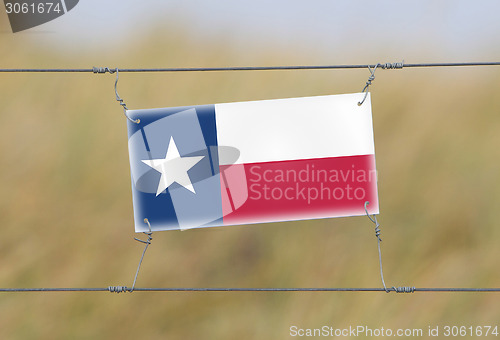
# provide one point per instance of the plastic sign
(252, 162)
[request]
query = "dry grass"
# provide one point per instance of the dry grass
(66, 210)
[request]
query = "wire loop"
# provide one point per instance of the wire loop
(377, 234)
(368, 83)
(102, 70)
(147, 242)
(120, 100)
(374, 220)
(385, 66)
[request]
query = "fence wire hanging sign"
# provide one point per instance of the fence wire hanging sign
(385, 66)
(252, 162)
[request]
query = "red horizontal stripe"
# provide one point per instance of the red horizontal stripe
(299, 189)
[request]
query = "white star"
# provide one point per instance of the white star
(173, 168)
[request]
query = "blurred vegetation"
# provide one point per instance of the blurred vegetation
(66, 207)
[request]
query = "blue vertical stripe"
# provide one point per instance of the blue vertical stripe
(195, 134)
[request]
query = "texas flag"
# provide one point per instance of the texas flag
(252, 162)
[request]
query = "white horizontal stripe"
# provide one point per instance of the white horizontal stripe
(296, 128)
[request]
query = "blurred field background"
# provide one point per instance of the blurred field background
(66, 207)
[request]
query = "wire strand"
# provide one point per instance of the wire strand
(246, 68)
(149, 234)
(173, 289)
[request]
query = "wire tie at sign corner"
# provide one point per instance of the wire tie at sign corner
(373, 218)
(122, 289)
(385, 66)
(102, 70)
(119, 99)
(368, 83)
(149, 234)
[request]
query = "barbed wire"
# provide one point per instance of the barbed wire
(398, 65)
